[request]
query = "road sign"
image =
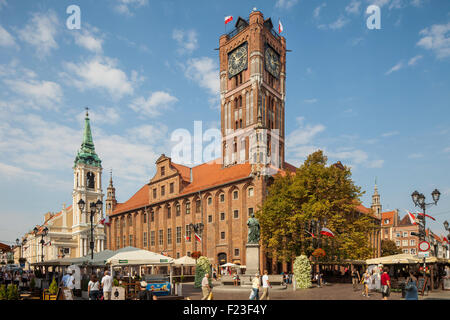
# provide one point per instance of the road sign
(424, 246)
(423, 254)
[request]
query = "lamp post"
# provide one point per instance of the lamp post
(44, 233)
(94, 207)
(448, 236)
(197, 228)
(419, 201)
(20, 252)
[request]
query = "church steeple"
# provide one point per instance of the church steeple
(87, 153)
(376, 205)
(111, 201)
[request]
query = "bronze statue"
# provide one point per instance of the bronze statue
(253, 229)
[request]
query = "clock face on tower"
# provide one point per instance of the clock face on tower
(237, 60)
(272, 59)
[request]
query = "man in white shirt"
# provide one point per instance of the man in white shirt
(205, 286)
(266, 285)
(71, 281)
(255, 287)
(107, 282)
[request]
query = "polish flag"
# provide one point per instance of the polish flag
(280, 27)
(48, 243)
(327, 232)
(187, 238)
(228, 19)
(421, 214)
(198, 237)
(104, 222)
(445, 239)
(312, 234)
(411, 217)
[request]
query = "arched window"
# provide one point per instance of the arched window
(90, 177)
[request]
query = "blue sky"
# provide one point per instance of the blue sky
(377, 100)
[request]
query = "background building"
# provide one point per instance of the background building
(68, 231)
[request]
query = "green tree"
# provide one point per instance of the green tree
(319, 194)
(388, 248)
(12, 292)
(3, 293)
(202, 267)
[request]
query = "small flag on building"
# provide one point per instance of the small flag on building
(421, 214)
(188, 238)
(412, 218)
(198, 237)
(48, 243)
(445, 239)
(327, 232)
(280, 27)
(228, 19)
(312, 234)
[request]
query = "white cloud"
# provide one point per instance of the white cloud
(414, 60)
(205, 72)
(3, 3)
(285, 4)
(43, 93)
(124, 6)
(6, 39)
(446, 150)
(397, 67)
(316, 12)
(336, 25)
(415, 155)
(376, 164)
(353, 7)
(88, 40)
(40, 32)
(437, 39)
(390, 134)
(304, 134)
(154, 105)
(187, 40)
(355, 156)
(98, 73)
(314, 100)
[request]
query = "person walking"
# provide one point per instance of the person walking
(385, 284)
(356, 278)
(411, 287)
(65, 278)
(266, 285)
(366, 281)
(206, 289)
(71, 281)
(235, 278)
(94, 288)
(255, 287)
(107, 282)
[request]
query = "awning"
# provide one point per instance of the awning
(185, 261)
(139, 257)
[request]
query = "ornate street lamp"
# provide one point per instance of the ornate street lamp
(44, 233)
(94, 207)
(415, 197)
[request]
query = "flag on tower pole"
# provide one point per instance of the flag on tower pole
(312, 234)
(228, 19)
(198, 237)
(280, 27)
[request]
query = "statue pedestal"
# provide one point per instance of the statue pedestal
(252, 259)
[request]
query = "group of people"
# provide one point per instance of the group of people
(97, 290)
(256, 286)
(20, 278)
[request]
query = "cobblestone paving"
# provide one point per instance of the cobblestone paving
(336, 291)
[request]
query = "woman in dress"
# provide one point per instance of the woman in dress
(366, 280)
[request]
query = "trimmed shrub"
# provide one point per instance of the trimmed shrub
(203, 266)
(302, 272)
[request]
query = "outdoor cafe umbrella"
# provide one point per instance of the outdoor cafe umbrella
(184, 262)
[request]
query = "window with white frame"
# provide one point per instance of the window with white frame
(397, 243)
(412, 242)
(405, 243)
(405, 251)
(405, 234)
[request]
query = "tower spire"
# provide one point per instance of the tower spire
(87, 153)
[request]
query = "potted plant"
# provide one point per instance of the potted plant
(12, 292)
(3, 293)
(52, 290)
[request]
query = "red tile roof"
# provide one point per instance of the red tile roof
(405, 222)
(138, 200)
(388, 215)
